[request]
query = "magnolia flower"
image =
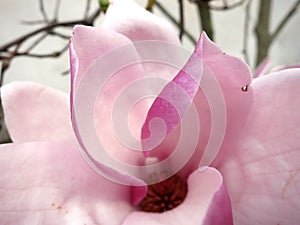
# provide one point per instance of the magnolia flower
(253, 180)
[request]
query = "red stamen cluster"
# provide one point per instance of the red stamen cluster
(164, 196)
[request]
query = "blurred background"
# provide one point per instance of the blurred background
(237, 26)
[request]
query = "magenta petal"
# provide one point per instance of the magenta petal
(34, 112)
(206, 203)
(176, 97)
(262, 171)
(44, 183)
(211, 74)
(219, 211)
(136, 23)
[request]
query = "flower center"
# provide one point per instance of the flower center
(164, 196)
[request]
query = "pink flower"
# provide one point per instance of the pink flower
(44, 180)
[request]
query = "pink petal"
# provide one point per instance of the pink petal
(219, 99)
(90, 44)
(232, 75)
(34, 112)
(136, 23)
(87, 45)
(44, 183)
(89, 48)
(133, 21)
(262, 171)
(284, 67)
(206, 203)
(262, 67)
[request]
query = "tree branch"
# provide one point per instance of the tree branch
(285, 20)
(173, 20)
(150, 5)
(56, 10)
(264, 36)
(225, 6)
(181, 19)
(40, 55)
(87, 8)
(4, 136)
(246, 31)
(262, 30)
(89, 21)
(205, 18)
(11, 50)
(42, 9)
(34, 44)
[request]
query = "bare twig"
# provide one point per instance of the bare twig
(34, 44)
(55, 33)
(35, 22)
(87, 9)
(285, 20)
(4, 67)
(11, 49)
(246, 31)
(4, 136)
(173, 20)
(66, 72)
(6, 62)
(42, 8)
(181, 19)
(205, 18)
(89, 21)
(47, 55)
(56, 9)
(150, 4)
(225, 6)
(6, 56)
(264, 36)
(225, 3)
(262, 30)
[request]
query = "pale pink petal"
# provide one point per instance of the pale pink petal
(262, 172)
(262, 67)
(133, 21)
(42, 183)
(223, 78)
(284, 67)
(34, 112)
(88, 44)
(233, 77)
(136, 23)
(89, 48)
(207, 203)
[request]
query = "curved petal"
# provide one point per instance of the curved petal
(50, 183)
(262, 68)
(88, 44)
(206, 203)
(136, 23)
(100, 75)
(133, 21)
(234, 78)
(34, 112)
(262, 174)
(285, 67)
(222, 78)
